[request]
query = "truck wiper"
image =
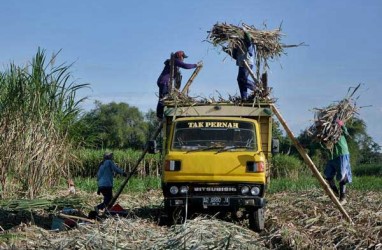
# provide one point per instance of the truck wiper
(205, 149)
(232, 147)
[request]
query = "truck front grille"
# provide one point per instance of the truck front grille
(204, 189)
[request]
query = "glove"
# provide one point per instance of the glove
(199, 64)
(124, 174)
(339, 122)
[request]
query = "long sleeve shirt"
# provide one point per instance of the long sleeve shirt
(164, 77)
(105, 173)
(248, 56)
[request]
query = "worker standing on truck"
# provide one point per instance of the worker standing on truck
(164, 78)
(339, 165)
(105, 179)
(243, 54)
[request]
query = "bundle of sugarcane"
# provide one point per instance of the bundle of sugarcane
(326, 128)
(231, 37)
(34, 204)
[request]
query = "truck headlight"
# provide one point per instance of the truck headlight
(244, 189)
(174, 190)
(255, 190)
(184, 189)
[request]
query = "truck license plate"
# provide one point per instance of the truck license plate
(215, 201)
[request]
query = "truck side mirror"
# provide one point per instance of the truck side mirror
(275, 146)
(152, 147)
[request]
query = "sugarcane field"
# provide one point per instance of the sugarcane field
(182, 161)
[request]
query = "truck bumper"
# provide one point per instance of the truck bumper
(204, 202)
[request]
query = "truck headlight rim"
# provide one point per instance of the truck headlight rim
(255, 190)
(244, 189)
(183, 189)
(174, 190)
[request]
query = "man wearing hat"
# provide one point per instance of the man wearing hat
(106, 170)
(164, 78)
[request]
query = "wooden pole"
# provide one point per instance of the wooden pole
(192, 77)
(250, 71)
(311, 165)
(159, 128)
(261, 84)
(72, 217)
(172, 72)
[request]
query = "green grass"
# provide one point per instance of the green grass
(137, 185)
(134, 185)
(366, 183)
(367, 170)
(292, 185)
(360, 183)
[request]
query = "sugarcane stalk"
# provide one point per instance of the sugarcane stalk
(72, 217)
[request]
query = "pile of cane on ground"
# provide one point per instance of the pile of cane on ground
(299, 220)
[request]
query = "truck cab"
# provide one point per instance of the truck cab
(215, 158)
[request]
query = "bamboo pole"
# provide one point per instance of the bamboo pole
(250, 71)
(260, 83)
(311, 165)
(172, 72)
(159, 128)
(192, 77)
(72, 217)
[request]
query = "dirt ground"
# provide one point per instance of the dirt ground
(302, 220)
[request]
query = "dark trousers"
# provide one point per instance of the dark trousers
(342, 192)
(107, 193)
(163, 91)
(243, 79)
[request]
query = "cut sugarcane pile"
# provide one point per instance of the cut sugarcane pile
(294, 220)
(325, 128)
(267, 42)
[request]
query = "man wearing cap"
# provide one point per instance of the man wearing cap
(164, 78)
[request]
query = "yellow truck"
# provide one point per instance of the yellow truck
(216, 159)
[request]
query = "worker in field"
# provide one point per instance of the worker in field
(244, 54)
(106, 170)
(164, 78)
(339, 165)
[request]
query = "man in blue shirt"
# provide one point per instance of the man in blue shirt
(244, 54)
(105, 174)
(241, 55)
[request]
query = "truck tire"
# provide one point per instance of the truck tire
(256, 219)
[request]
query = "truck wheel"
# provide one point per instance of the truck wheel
(256, 219)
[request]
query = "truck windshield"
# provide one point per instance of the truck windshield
(214, 135)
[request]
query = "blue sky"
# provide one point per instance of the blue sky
(119, 48)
